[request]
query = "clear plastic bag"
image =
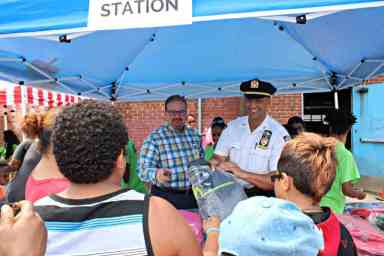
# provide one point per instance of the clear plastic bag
(216, 192)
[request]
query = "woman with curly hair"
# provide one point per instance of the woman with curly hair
(25, 158)
(45, 178)
(29, 128)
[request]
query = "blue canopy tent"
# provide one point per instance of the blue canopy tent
(300, 46)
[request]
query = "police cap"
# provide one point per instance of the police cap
(257, 89)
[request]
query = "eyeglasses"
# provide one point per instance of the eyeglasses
(177, 112)
(276, 176)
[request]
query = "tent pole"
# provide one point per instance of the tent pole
(199, 114)
(24, 104)
(336, 95)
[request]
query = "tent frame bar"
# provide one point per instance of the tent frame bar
(375, 70)
(95, 88)
(43, 73)
(293, 19)
(9, 77)
(5, 59)
(374, 60)
(153, 91)
(350, 74)
(63, 79)
(68, 36)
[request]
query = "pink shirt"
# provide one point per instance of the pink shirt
(36, 189)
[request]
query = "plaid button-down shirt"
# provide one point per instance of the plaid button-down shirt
(167, 148)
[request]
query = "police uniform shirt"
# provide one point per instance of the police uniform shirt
(256, 152)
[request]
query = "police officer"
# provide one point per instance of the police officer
(250, 146)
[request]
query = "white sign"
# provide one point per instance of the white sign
(118, 14)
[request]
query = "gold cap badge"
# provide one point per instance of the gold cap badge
(254, 84)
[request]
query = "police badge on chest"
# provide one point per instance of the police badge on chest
(265, 139)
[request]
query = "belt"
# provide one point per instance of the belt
(173, 190)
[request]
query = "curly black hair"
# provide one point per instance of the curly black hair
(340, 122)
(87, 140)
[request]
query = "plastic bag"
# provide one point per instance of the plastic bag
(216, 192)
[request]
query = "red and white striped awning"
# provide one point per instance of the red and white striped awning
(11, 95)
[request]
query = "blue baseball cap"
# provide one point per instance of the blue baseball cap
(269, 226)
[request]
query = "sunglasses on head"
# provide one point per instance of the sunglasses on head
(277, 176)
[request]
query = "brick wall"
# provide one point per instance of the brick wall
(142, 117)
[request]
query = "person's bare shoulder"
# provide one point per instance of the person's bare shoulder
(169, 232)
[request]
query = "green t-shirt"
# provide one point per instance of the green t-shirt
(2, 152)
(346, 171)
(209, 152)
(134, 181)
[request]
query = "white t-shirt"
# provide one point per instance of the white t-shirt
(256, 152)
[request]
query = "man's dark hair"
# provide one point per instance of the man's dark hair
(10, 140)
(340, 122)
(295, 119)
(218, 122)
(175, 98)
(87, 139)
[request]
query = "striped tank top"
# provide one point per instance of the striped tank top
(113, 224)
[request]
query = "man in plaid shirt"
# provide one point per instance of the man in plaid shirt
(166, 154)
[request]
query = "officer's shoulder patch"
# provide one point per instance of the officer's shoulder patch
(286, 138)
